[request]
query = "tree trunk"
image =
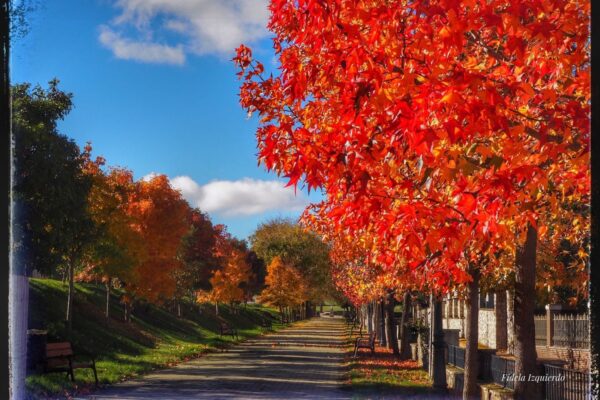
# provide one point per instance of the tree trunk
(369, 317)
(178, 309)
(126, 311)
(420, 360)
(216, 308)
(390, 324)
(439, 346)
(501, 322)
(470, 389)
(70, 295)
(107, 312)
(405, 351)
(525, 363)
(380, 325)
(377, 323)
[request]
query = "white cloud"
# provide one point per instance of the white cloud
(150, 176)
(242, 197)
(140, 51)
(199, 27)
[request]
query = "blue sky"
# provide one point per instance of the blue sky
(155, 91)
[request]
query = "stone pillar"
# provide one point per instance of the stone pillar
(500, 311)
(510, 323)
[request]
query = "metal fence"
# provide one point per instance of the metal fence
(566, 384)
(567, 331)
(503, 371)
(571, 331)
(456, 356)
(540, 329)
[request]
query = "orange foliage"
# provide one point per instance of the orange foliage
(285, 286)
(161, 217)
(117, 246)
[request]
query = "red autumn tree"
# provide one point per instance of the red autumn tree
(197, 258)
(446, 129)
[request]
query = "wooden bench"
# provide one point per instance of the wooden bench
(352, 321)
(266, 324)
(226, 329)
(59, 357)
(365, 343)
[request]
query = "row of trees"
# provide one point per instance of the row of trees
(80, 219)
(451, 139)
(77, 217)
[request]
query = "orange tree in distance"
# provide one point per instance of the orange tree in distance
(285, 286)
(161, 217)
(117, 246)
(233, 271)
(471, 117)
(226, 283)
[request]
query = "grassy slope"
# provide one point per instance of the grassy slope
(155, 339)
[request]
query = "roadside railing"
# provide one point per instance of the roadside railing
(503, 371)
(566, 384)
(456, 356)
(571, 331)
(566, 330)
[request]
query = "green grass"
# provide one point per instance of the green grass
(156, 338)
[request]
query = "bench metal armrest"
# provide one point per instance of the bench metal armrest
(360, 340)
(86, 354)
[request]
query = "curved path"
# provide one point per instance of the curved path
(305, 361)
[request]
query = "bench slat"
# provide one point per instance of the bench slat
(62, 349)
(58, 359)
(58, 353)
(56, 346)
(57, 363)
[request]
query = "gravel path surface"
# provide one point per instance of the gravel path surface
(305, 361)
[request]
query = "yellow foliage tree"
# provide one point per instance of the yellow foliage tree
(285, 286)
(227, 282)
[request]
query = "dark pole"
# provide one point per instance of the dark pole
(430, 337)
(5, 206)
(594, 292)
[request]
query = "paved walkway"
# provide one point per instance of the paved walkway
(301, 362)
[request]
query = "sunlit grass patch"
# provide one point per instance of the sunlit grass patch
(155, 339)
(383, 373)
